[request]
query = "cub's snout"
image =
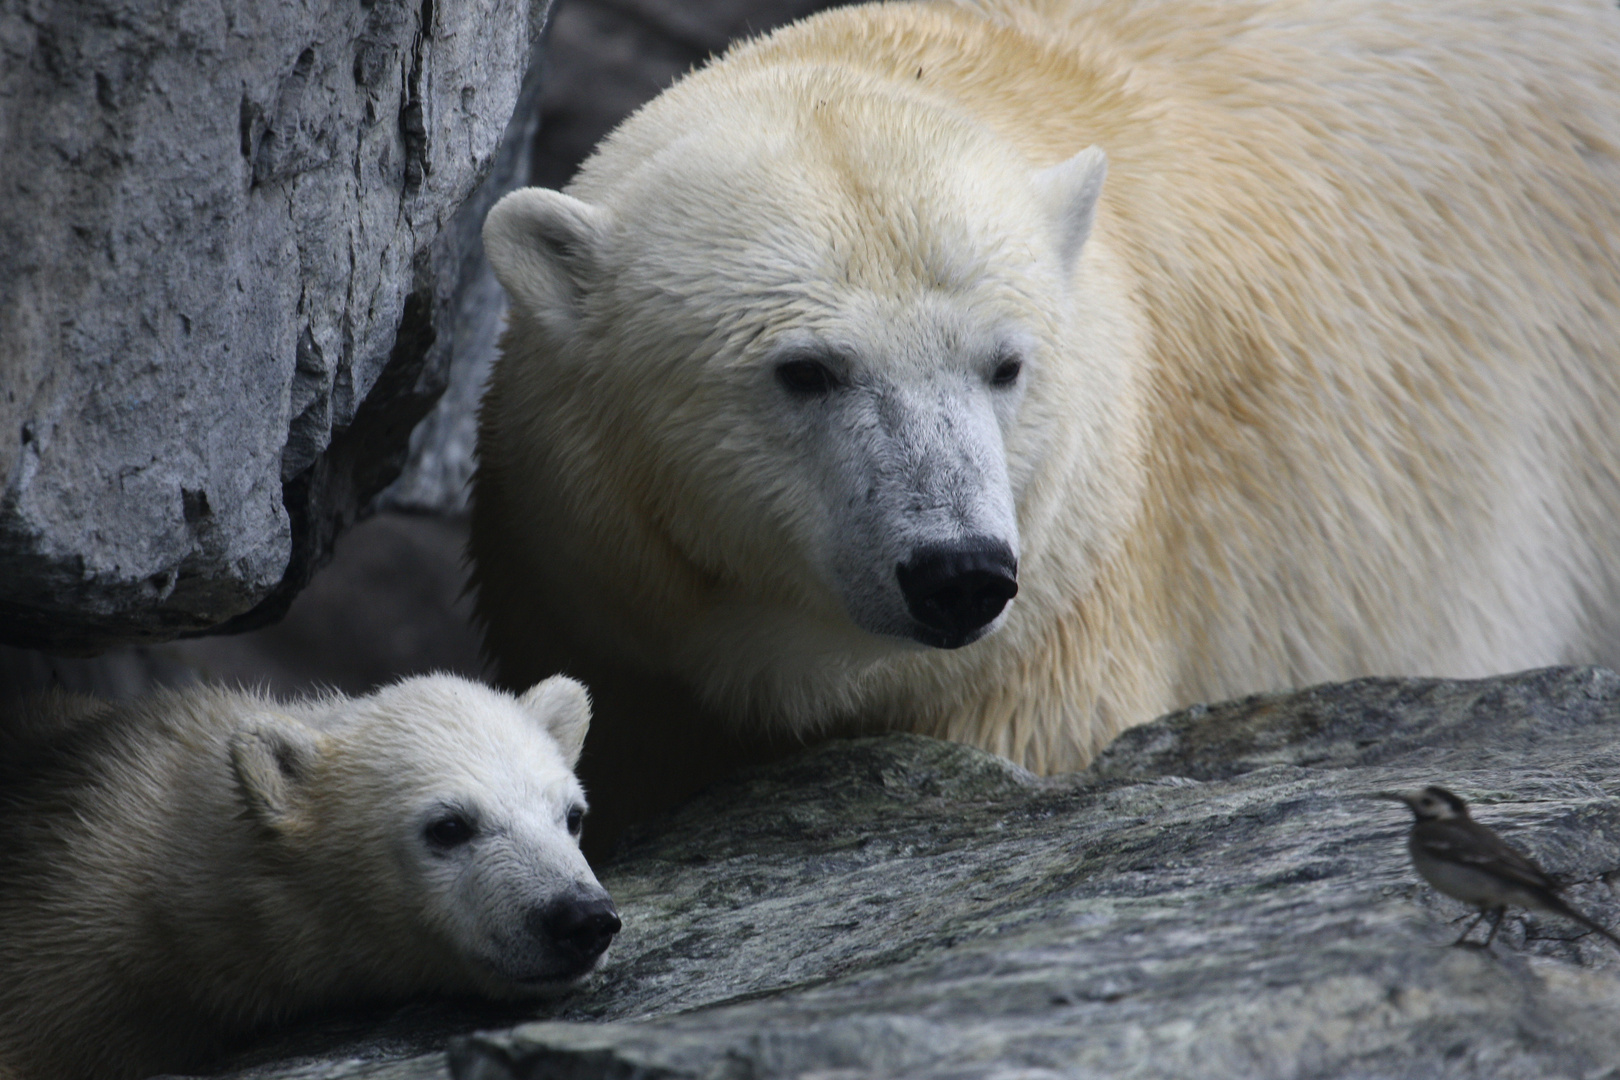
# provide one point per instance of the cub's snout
(576, 929)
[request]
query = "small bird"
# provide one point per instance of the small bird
(1469, 862)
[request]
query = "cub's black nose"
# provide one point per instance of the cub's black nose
(580, 928)
(956, 590)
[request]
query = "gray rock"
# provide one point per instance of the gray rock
(1215, 898)
(439, 463)
(391, 604)
(222, 289)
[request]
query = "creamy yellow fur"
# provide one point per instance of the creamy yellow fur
(1336, 393)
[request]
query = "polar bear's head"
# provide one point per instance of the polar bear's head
(797, 334)
(444, 818)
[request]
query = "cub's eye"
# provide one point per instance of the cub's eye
(1006, 372)
(449, 831)
(575, 820)
(806, 377)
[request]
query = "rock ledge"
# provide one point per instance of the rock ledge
(1213, 899)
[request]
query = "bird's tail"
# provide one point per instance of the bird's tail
(1562, 908)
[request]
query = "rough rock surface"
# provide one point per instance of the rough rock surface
(1214, 898)
(217, 238)
(439, 462)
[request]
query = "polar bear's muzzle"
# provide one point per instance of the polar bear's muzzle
(955, 590)
(552, 943)
(575, 930)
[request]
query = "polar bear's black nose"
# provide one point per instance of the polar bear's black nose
(955, 590)
(580, 926)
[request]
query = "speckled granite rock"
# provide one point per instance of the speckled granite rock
(218, 226)
(1213, 899)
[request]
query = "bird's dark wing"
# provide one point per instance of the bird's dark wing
(1472, 844)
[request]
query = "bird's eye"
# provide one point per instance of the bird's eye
(806, 377)
(449, 831)
(1006, 372)
(575, 820)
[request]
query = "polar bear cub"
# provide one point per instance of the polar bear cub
(185, 869)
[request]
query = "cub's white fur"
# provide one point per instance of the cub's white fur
(179, 871)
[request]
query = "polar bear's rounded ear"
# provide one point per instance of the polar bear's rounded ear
(1071, 189)
(544, 247)
(272, 760)
(563, 707)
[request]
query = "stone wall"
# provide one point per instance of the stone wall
(226, 237)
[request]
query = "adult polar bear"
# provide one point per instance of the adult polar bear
(834, 344)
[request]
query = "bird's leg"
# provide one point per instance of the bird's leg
(1496, 924)
(1469, 929)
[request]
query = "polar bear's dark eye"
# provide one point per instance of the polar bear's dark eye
(451, 830)
(1007, 371)
(807, 377)
(575, 820)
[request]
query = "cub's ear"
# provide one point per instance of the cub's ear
(273, 759)
(1071, 190)
(544, 247)
(563, 708)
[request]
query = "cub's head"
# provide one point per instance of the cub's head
(791, 344)
(446, 817)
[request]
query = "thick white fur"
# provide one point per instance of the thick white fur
(182, 870)
(1324, 385)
